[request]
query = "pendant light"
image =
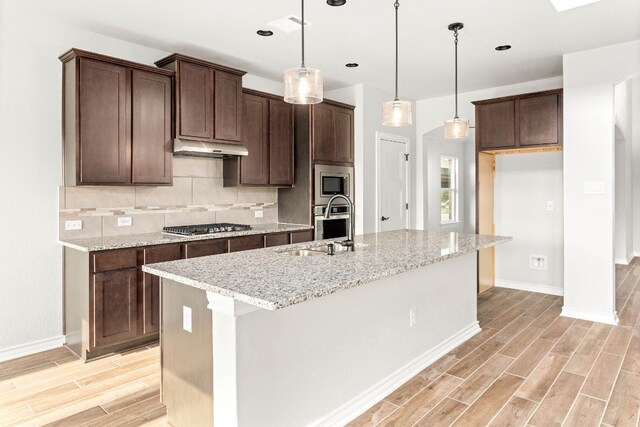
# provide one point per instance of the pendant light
(303, 85)
(396, 112)
(456, 127)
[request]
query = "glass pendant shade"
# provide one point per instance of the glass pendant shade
(456, 128)
(396, 113)
(303, 86)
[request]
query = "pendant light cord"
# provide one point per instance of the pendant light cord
(302, 1)
(455, 34)
(396, 5)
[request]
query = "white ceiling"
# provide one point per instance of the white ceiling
(362, 31)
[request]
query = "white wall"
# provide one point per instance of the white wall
(368, 102)
(524, 184)
(30, 171)
(623, 240)
(589, 157)
(635, 138)
(435, 147)
(430, 116)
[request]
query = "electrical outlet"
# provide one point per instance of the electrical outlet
(550, 205)
(124, 221)
(412, 317)
(186, 318)
(73, 225)
(259, 214)
(538, 262)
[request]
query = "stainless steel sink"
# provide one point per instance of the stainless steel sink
(337, 248)
(304, 252)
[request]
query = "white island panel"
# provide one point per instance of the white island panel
(325, 361)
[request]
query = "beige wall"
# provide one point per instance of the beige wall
(197, 196)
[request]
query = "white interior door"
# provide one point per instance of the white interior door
(392, 184)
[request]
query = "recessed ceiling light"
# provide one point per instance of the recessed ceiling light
(503, 47)
(265, 33)
(352, 65)
(562, 5)
(336, 2)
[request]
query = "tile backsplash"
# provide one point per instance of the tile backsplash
(197, 196)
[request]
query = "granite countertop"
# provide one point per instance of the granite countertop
(150, 239)
(271, 279)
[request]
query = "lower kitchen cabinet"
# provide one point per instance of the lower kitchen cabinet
(112, 305)
(115, 307)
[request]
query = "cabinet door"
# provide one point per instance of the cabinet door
(151, 147)
(280, 143)
(538, 120)
(228, 106)
(497, 125)
(271, 240)
(324, 136)
(344, 135)
(254, 168)
(206, 248)
(246, 243)
(302, 236)
(114, 302)
(195, 101)
(103, 155)
(151, 286)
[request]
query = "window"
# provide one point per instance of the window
(448, 189)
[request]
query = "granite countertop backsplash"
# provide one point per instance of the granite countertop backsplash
(135, 240)
(272, 279)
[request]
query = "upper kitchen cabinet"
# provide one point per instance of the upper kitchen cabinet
(331, 132)
(117, 121)
(532, 120)
(208, 99)
(268, 136)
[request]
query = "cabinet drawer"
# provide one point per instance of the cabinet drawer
(302, 236)
(276, 240)
(114, 260)
(208, 247)
(246, 243)
(162, 254)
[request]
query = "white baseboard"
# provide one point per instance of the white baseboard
(599, 318)
(31, 348)
(623, 261)
(359, 404)
(531, 287)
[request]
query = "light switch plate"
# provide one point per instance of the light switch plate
(595, 187)
(186, 318)
(259, 214)
(124, 221)
(73, 225)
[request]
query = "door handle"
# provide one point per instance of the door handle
(384, 218)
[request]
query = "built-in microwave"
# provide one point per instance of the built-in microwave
(331, 180)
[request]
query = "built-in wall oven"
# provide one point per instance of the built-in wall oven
(330, 180)
(334, 227)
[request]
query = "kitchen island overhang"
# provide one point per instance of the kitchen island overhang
(319, 353)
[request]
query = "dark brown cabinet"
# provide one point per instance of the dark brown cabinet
(208, 99)
(532, 120)
(149, 291)
(112, 305)
(115, 307)
(268, 135)
(117, 121)
(332, 132)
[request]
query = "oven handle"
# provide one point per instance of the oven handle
(322, 218)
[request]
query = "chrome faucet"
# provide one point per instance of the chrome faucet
(350, 224)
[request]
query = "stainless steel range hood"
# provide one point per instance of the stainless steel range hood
(185, 147)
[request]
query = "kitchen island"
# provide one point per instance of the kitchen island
(271, 338)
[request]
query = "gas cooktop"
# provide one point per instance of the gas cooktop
(193, 230)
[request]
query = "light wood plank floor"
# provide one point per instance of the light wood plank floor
(528, 366)
(57, 388)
